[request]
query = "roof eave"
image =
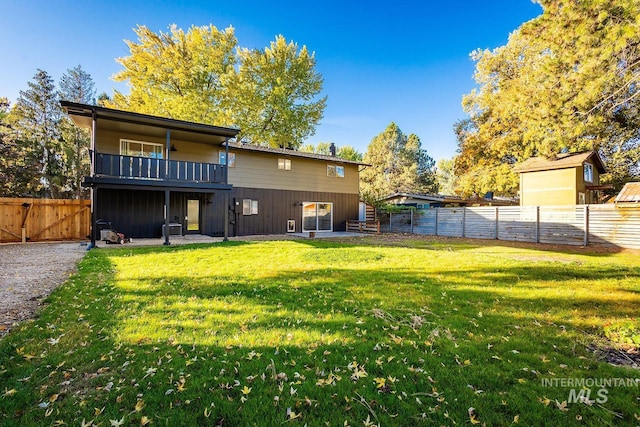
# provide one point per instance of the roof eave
(84, 110)
(293, 153)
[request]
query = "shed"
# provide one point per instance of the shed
(629, 195)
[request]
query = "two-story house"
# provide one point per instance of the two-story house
(151, 174)
(567, 179)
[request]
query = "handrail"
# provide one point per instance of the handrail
(157, 169)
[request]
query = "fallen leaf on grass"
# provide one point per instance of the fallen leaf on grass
(562, 406)
(544, 401)
(9, 392)
(473, 416)
(292, 415)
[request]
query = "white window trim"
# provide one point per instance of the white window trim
(589, 167)
(156, 144)
(249, 207)
(335, 173)
(285, 163)
(316, 229)
(582, 198)
(231, 155)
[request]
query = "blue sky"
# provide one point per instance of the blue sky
(405, 62)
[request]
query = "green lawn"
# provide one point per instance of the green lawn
(421, 332)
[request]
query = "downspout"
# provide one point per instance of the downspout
(92, 171)
(167, 194)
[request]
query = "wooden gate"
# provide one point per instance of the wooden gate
(34, 220)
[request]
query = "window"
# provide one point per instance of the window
(141, 149)
(284, 164)
(335, 171)
(249, 207)
(222, 159)
(588, 172)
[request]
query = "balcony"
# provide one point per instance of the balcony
(145, 171)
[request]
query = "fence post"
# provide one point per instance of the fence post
(390, 214)
(497, 223)
(586, 225)
(537, 224)
(411, 221)
(464, 220)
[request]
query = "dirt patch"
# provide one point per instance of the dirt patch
(629, 357)
(29, 273)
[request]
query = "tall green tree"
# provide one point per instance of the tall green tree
(76, 85)
(398, 163)
(276, 94)
(445, 176)
(565, 81)
(323, 148)
(7, 151)
(179, 75)
(35, 120)
(346, 152)
(16, 172)
(271, 94)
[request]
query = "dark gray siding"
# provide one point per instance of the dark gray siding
(134, 213)
(275, 207)
(140, 213)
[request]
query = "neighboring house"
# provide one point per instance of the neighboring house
(567, 179)
(425, 201)
(150, 174)
(422, 201)
(629, 195)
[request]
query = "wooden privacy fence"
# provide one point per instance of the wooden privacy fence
(570, 225)
(364, 226)
(35, 220)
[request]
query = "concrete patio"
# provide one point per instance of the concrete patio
(199, 238)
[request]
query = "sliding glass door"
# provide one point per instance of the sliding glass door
(317, 216)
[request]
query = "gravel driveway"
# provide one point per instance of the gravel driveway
(28, 274)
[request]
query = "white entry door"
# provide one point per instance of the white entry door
(317, 216)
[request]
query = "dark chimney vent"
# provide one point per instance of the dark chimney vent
(332, 149)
